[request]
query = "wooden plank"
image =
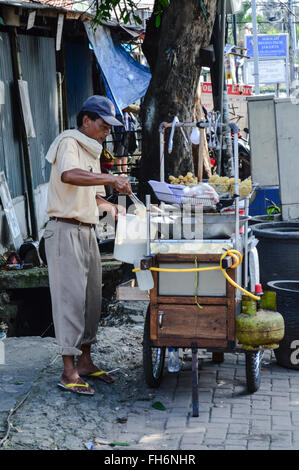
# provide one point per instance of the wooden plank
(154, 291)
(153, 322)
(202, 343)
(182, 258)
(192, 322)
(191, 301)
(131, 293)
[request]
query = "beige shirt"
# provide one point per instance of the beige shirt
(69, 201)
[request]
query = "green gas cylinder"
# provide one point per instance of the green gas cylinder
(259, 326)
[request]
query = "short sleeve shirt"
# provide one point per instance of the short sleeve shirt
(70, 201)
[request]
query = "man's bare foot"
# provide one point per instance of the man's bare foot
(70, 382)
(85, 366)
(91, 370)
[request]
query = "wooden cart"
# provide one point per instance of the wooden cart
(191, 312)
(175, 320)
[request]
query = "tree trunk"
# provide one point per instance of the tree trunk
(173, 53)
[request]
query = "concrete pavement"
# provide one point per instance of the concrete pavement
(229, 418)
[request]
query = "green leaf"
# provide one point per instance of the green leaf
(158, 21)
(127, 18)
(119, 444)
(158, 406)
(138, 19)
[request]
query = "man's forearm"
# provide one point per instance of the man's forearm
(78, 177)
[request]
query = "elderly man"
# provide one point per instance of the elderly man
(75, 197)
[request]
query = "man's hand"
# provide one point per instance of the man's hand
(113, 209)
(122, 185)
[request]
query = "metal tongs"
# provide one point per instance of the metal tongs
(159, 212)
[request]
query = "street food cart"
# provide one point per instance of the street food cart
(197, 283)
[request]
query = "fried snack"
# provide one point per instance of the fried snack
(188, 180)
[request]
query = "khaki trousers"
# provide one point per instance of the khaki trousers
(75, 277)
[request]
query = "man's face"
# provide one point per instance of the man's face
(97, 129)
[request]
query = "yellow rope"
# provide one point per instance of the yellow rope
(236, 255)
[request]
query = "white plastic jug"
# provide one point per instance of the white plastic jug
(131, 238)
(144, 278)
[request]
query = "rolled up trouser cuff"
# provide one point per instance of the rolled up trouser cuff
(69, 351)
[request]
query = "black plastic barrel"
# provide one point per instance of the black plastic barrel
(287, 298)
(278, 250)
(261, 219)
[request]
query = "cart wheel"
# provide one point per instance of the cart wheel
(253, 370)
(153, 358)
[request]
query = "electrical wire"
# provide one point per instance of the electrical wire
(12, 411)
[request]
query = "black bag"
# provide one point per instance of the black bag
(29, 254)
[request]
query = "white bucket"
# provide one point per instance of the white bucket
(131, 238)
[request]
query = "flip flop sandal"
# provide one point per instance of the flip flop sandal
(69, 387)
(100, 374)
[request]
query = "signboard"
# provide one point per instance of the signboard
(270, 71)
(269, 45)
(237, 103)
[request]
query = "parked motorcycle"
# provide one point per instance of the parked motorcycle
(244, 155)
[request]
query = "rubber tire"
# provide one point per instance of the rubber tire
(152, 379)
(253, 370)
(244, 165)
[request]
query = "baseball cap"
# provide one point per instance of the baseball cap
(103, 107)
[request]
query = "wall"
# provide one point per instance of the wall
(40, 194)
(79, 86)
(38, 63)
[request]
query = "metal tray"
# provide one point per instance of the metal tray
(214, 226)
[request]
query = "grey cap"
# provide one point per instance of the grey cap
(103, 107)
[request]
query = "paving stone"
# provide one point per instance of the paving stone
(238, 428)
(221, 412)
(229, 418)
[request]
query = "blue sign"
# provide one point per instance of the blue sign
(269, 45)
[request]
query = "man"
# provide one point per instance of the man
(75, 197)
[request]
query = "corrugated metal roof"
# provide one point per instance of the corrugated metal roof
(75, 9)
(72, 7)
(68, 4)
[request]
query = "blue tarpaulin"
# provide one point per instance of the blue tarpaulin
(126, 80)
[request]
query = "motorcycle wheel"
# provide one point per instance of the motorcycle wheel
(244, 165)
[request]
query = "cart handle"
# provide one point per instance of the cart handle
(235, 254)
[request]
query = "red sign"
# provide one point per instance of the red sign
(244, 90)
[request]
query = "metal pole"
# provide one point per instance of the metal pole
(195, 401)
(221, 81)
(235, 42)
(17, 71)
(148, 224)
(162, 153)
(246, 212)
(292, 43)
(255, 49)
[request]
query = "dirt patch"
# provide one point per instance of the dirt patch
(53, 419)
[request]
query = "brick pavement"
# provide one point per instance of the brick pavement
(229, 417)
